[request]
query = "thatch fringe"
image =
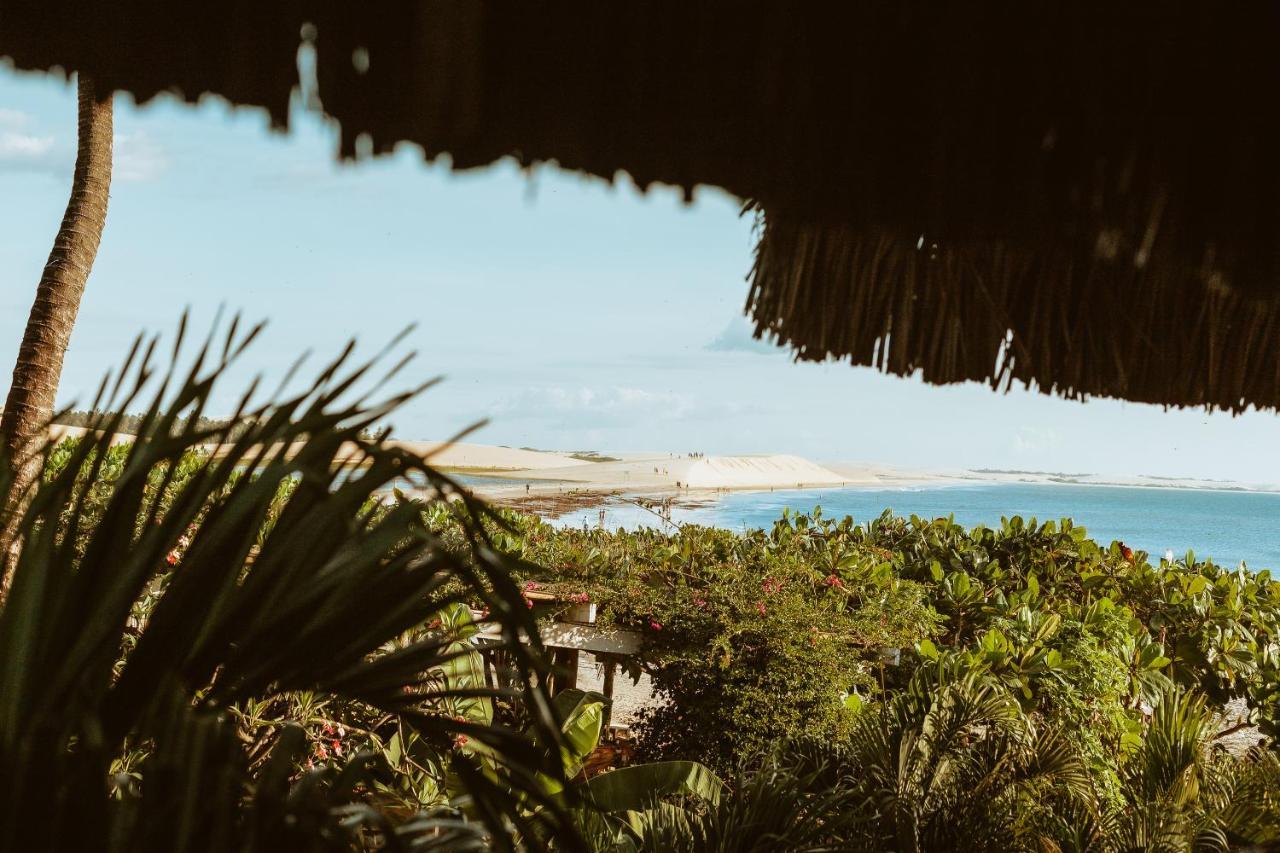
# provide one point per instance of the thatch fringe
(1060, 321)
(1101, 178)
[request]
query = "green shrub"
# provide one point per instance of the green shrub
(752, 638)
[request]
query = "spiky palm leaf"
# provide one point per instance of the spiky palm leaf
(786, 803)
(948, 763)
(334, 580)
(1184, 794)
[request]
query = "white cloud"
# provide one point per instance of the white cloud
(14, 119)
(23, 148)
(26, 152)
(23, 145)
(1036, 439)
(738, 336)
(586, 406)
(137, 157)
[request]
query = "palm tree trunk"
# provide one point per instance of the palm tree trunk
(23, 425)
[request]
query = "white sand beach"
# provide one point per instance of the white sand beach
(61, 432)
(667, 471)
(546, 471)
(489, 458)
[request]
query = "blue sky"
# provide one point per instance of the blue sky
(572, 314)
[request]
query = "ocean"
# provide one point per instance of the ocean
(1228, 527)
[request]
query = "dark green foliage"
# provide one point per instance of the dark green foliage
(952, 763)
(254, 649)
(171, 609)
(787, 802)
(748, 638)
(1058, 648)
(763, 635)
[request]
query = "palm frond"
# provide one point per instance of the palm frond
(295, 578)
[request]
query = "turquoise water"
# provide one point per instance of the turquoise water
(1226, 526)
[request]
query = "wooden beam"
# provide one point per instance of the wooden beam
(584, 638)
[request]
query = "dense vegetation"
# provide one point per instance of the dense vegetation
(817, 631)
(260, 651)
(893, 685)
(204, 652)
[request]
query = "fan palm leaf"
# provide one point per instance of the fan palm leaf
(313, 593)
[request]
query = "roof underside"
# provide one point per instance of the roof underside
(1080, 195)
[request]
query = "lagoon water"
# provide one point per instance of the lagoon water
(1226, 526)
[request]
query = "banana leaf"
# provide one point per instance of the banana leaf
(638, 787)
(583, 716)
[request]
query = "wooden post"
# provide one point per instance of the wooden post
(566, 666)
(489, 677)
(609, 668)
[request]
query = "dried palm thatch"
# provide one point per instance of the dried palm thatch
(1063, 321)
(1077, 194)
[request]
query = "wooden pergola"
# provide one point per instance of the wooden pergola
(571, 632)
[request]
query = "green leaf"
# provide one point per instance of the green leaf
(640, 786)
(267, 573)
(583, 714)
(463, 668)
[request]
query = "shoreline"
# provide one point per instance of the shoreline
(701, 476)
(553, 500)
(509, 490)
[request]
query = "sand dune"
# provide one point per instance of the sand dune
(480, 456)
(721, 472)
(707, 472)
(441, 454)
(60, 432)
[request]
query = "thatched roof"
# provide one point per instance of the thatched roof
(1080, 194)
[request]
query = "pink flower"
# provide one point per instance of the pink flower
(771, 586)
(760, 608)
(580, 598)
(655, 624)
(460, 741)
(699, 601)
(528, 602)
(834, 581)
(173, 558)
(530, 586)
(337, 747)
